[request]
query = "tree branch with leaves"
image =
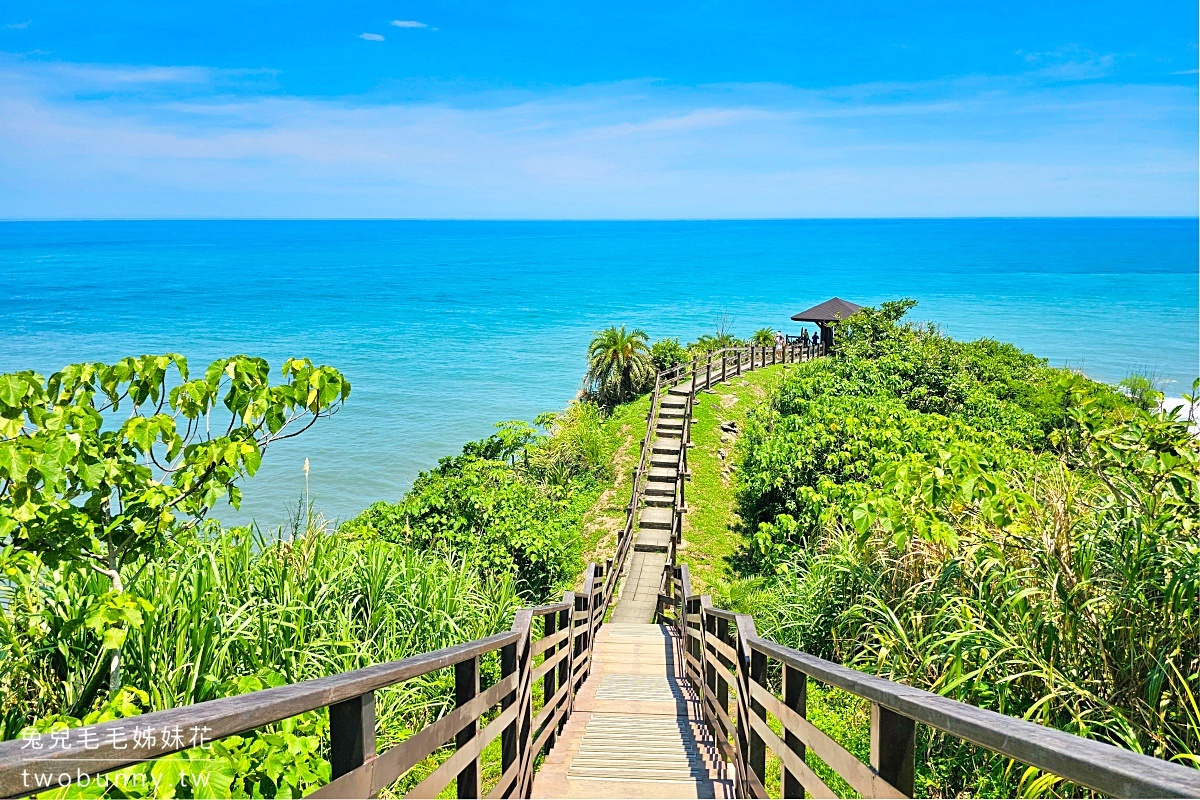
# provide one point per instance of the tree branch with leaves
(101, 463)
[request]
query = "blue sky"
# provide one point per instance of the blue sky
(603, 110)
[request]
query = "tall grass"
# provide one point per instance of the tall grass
(235, 603)
(964, 519)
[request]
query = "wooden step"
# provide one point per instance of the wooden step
(654, 517)
(652, 540)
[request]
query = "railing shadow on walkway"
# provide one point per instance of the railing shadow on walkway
(721, 657)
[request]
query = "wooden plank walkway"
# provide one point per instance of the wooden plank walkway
(638, 597)
(636, 728)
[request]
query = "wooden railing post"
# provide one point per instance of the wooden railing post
(525, 697)
(351, 734)
(795, 697)
(466, 687)
(708, 373)
(510, 737)
(722, 686)
(740, 717)
(709, 623)
(596, 609)
(566, 619)
(550, 683)
(695, 369)
(893, 748)
(580, 630)
(693, 641)
(757, 747)
(724, 364)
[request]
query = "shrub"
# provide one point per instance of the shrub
(961, 517)
(668, 353)
(578, 447)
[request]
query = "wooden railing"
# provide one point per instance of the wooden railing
(728, 664)
(744, 681)
(480, 715)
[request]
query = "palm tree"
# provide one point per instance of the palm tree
(619, 364)
(763, 337)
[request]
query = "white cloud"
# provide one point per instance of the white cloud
(371, 37)
(634, 149)
(18, 26)
(408, 23)
(1070, 62)
(110, 75)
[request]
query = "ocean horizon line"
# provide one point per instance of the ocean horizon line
(915, 218)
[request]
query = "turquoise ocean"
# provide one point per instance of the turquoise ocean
(447, 327)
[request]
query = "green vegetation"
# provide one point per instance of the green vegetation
(103, 531)
(711, 526)
(961, 517)
(512, 504)
(233, 611)
(619, 365)
(957, 516)
(668, 353)
(603, 522)
(78, 490)
(763, 337)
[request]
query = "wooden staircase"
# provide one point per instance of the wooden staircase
(660, 505)
(636, 728)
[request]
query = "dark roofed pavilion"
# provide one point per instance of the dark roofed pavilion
(831, 310)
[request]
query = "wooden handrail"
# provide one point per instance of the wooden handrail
(720, 651)
(26, 765)
(112, 745)
(896, 708)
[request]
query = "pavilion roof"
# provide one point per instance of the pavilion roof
(830, 311)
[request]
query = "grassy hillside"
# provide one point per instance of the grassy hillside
(961, 517)
(711, 528)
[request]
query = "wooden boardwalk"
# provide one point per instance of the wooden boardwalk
(638, 599)
(630, 708)
(636, 728)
